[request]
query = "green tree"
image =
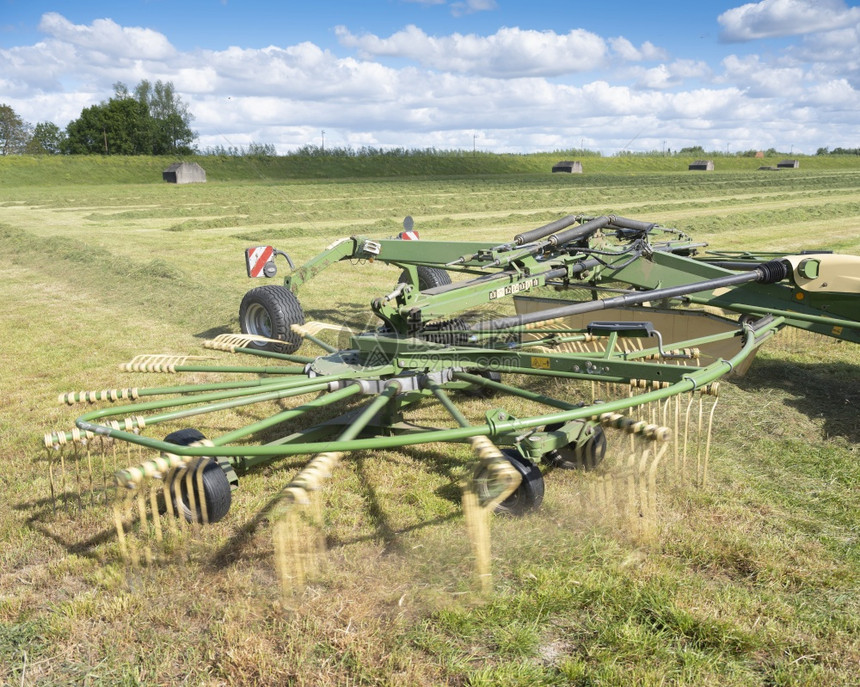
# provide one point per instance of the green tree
(152, 120)
(14, 132)
(171, 119)
(47, 139)
(121, 126)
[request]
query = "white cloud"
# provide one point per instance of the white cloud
(472, 6)
(763, 80)
(108, 38)
(672, 75)
(772, 18)
(512, 88)
(510, 52)
(630, 53)
(832, 54)
(690, 69)
(461, 7)
(834, 94)
(656, 77)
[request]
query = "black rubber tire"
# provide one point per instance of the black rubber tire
(216, 487)
(478, 391)
(270, 311)
(529, 494)
(428, 277)
(184, 437)
(588, 457)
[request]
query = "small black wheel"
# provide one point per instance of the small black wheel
(479, 391)
(270, 311)
(579, 456)
(528, 495)
(428, 277)
(184, 437)
(182, 483)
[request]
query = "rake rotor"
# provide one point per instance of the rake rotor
(625, 398)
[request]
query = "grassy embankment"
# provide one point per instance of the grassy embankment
(59, 171)
(753, 580)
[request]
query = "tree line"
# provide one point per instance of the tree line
(149, 120)
(152, 120)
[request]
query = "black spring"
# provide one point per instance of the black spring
(453, 332)
(773, 271)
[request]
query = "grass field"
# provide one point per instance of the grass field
(753, 580)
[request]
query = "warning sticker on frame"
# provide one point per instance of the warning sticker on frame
(540, 363)
(511, 289)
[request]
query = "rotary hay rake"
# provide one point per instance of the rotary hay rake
(674, 320)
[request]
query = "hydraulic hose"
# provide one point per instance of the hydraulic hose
(635, 224)
(582, 231)
(579, 232)
(545, 230)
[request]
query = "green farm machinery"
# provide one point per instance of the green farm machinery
(566, 337)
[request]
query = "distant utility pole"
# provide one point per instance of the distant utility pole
(474, 144)
(323, 140)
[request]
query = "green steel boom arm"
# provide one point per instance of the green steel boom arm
(501, 270)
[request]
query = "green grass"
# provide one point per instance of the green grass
(753, 579)
(41, 171)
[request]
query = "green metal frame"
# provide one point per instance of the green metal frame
(498, 274)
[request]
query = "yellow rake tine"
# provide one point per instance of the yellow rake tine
(490, 461)
(156, 518)
(204, 507)
(191, 496)
(178, 476)
(632, 515)
(143, 529)
(170, 513)
(708, 441)
(120, 530)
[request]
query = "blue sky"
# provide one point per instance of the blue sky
(505, 75)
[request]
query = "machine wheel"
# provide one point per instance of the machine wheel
(528, 495)
(586, 456)
(428, 277)
(216, 491)
(270, 311)
(479, 391)
(184, 437)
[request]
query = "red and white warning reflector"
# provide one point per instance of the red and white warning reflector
(257, 258)
(409, 235)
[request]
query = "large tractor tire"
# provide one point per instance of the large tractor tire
(270, 311)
